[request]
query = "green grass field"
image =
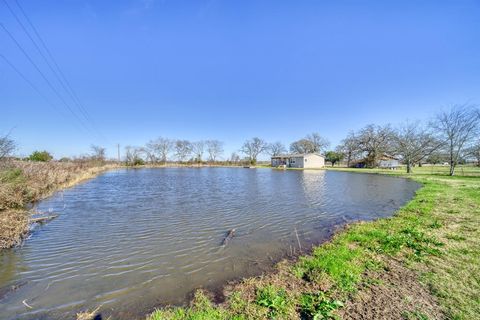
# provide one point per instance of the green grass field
(436, 170)
(423, 263)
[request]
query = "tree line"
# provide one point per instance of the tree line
(163, 150)
(450, 136)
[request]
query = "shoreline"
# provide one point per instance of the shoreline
(15, 219)
(365, 259)
(343, 276)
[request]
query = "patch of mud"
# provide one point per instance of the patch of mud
(396, 293)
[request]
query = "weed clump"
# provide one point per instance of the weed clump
(341, 263)
(272, 298)
(201, 309)
(318, 306)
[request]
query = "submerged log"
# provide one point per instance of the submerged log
(42, 219)
(229, 236)
(12, 288)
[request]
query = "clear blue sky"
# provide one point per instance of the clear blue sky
(232, 70)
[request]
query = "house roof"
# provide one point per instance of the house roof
(296, 155)
(388, 157)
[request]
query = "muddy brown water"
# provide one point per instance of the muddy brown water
(131, 240)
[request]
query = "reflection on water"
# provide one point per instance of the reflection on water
(131, 240)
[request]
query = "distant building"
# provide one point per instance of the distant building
(307, 161)
(385, 162)
(388, 162)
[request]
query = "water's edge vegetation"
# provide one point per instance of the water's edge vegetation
(23, 183)
(422, 263)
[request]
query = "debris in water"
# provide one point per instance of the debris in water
(26, 304)
(298, 240)
(230, 235)
(42, 219)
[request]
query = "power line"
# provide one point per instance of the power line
(46, 49)
(43, 76)
(27, 80)
(83, 112)
(34, 87)
(68, 87)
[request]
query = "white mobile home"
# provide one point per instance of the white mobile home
(306, 161)
(388, 162)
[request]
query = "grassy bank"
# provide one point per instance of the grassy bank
(423, 263)
(23, 182)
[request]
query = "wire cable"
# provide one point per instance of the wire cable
(82, 110)
(43, 76)
(42, 42)
(73, 95)
(34, 87)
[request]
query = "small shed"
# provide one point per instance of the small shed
(298, 160)
(388, 162)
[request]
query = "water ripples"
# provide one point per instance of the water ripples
(133, 239)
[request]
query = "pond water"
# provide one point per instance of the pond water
(130, 240)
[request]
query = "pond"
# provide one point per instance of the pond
(133, 239)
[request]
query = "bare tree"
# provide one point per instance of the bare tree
(183, 149)
(98, 153)
(198, 149)
(414, 143)
(276, 148)
(253, 148)
(7, 146)
(160, 148)
(214, 149)
(375, 141)
(312, 143)
(320, 144)
(129, 154)
(235, 158)
(474, 151)
(134, 155)
(435, 158)
(458, 128)
(302, 146)
(150, 156)
(349, 147)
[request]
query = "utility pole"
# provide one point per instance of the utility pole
(118, 152)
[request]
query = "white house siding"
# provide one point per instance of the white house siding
(390, 163)
(307, 161)
(314, 161)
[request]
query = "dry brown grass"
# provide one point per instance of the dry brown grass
(392, 293)
(13, 227)
(88, 315)
(24, 182)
